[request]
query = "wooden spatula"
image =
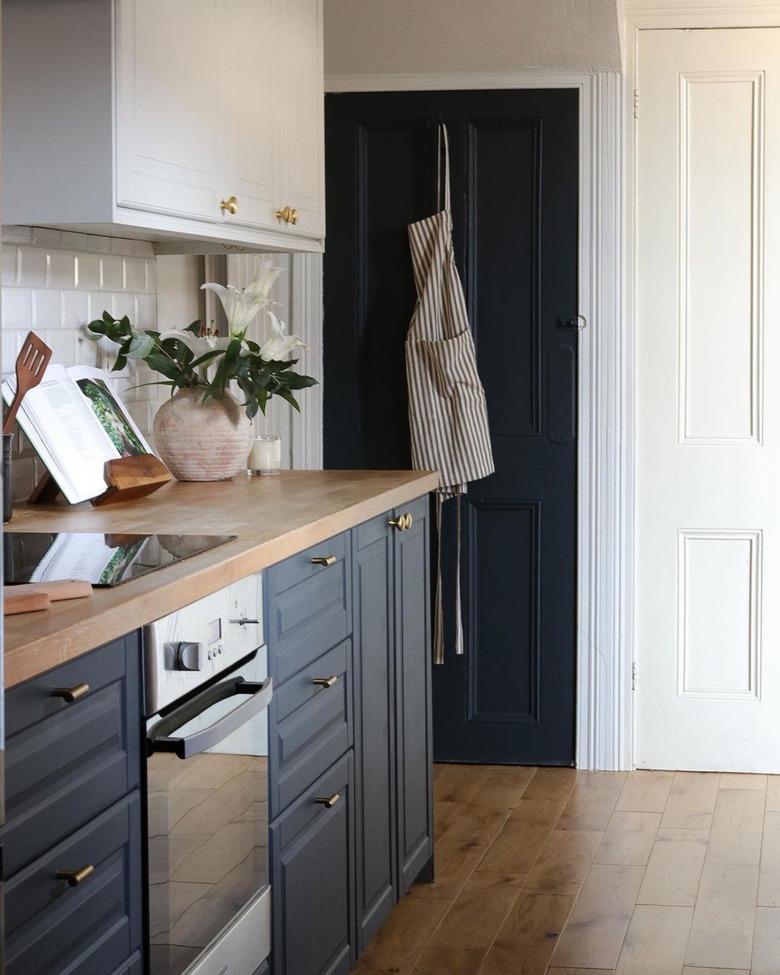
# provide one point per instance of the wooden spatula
(30, 366)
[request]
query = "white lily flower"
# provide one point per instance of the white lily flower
(278, 344)
(240, 306)
(197, 344)
(267, 273)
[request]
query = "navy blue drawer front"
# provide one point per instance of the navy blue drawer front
(309, 605)
(311, 721)
(311, 878)
(52, 927)
(133, 966)
(68, 761)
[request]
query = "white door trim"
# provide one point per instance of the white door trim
(605, 506)
(702, 13)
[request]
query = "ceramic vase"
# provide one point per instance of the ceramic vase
(202, 441)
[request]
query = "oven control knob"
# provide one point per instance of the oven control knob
(189, 656)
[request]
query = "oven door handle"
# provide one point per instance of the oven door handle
(160, 738)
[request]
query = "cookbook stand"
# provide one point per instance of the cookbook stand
(128, 478)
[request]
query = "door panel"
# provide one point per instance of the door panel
(510, 698)
(708, 408)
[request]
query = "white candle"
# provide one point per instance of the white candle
(265, 455)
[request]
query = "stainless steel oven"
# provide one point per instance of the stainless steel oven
(207, 694)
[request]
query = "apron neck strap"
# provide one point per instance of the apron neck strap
(443, 137)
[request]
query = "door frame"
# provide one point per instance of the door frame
(604, 721)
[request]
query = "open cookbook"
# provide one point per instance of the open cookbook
(76, 422)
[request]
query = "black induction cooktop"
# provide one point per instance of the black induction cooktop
(103, 559)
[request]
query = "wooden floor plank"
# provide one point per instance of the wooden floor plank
(400, 941)
(645, 791)
(737, 826)
(773, 793)
(766, 942)
(592, 801)
(563, 862)
(691, 801)
(448, 961)
(769, 868)
(455, 861)
(674, 868)
(478, 911)
(551, 783)
(723, 919)
(458, 783)
(526, 939)
(656, 940)
(628, 838)
(742, 780)
(504, 785)
(522, 836)
(594, 933)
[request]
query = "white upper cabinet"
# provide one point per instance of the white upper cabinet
(197, 123)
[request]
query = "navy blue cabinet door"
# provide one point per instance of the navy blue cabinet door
(514, 154)
(375, 779)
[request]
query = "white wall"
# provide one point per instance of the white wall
(376, 37)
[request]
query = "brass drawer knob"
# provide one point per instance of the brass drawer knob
(324, 560)
(401, 523)
(76, 877)
(230, 205)
(328, 801)
(288, 214)
(325, 681)
(70, 694)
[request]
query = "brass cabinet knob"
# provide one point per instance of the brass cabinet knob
(409, 519)
(328, 801)
(76, 877)
(324, 560)
(401, 523)
(70, 694)
(230, 204)
(325, 681)
(288, 214)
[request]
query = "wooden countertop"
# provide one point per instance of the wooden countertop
(272, 517)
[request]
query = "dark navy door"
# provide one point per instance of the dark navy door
(511, 697)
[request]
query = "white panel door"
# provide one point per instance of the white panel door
(708, 401)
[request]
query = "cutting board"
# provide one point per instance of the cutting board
(30, 597)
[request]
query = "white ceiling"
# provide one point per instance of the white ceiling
(380, 37)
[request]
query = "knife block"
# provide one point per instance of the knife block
(128, 478)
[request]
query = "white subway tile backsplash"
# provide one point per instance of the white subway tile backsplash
(98, 245)
(123, 246)
(135, 274)
(46, 309)
(112, 273)
(56, 281)
(87, 272)
(73, 241)
(32, 267)
(17, 310)
(75, 309)
(62, 269)
(9, 266)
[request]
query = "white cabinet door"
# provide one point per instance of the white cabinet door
(254, 103)
(708, 401)
(172, 108)
(301, 175)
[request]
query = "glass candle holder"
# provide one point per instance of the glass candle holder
(265, 455)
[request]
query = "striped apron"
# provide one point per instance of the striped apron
(447, 413)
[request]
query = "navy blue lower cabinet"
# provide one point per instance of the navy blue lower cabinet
(72, 841)
(393, 745)
(414, 728)
(311, 878)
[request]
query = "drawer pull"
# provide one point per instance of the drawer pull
(230, 205)
(328, 801)
(325, 681)
(324, 560)
(401, 523)
(76, 877)
(70, 694)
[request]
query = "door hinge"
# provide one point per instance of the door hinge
(633, 677)
(636, 103)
